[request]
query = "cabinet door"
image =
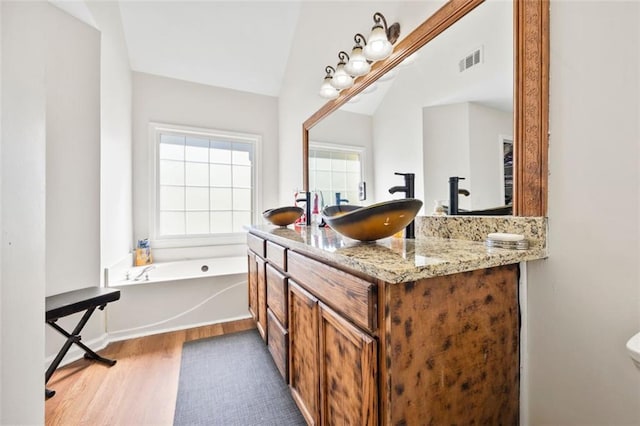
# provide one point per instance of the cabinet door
(278, 344)
(303, 352)
(252, 281)
(277, 294)
(348, 372)
(262, 298)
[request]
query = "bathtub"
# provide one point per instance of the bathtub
(176, 295)
(176, 271)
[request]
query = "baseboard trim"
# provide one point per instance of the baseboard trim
(119, 336)
(76, 353)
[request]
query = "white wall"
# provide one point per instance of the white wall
(73, 153)
(486, 125)
(584, 300)
(446, 151)
(72, 79)
(23, 211)
(165, 100)
(397, 138)
(116, 184)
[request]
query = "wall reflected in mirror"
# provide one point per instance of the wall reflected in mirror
(446, 111)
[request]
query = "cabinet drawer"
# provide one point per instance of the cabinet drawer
(278, 344)
(277, 255)
(353, 297)
(277, 293)
(256, 244)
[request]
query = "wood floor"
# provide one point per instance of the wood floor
(139, 390)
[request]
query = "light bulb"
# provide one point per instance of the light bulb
(327, 90)
(378, 46)
(358, 64)
(341, 79)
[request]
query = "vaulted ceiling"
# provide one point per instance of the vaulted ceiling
(242, 45)
(254, 46)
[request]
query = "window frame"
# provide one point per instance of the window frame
(168, 241)
(339, 147)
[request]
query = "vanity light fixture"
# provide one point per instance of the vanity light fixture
(358, 64)
(380, 43)
(341, 78)
(327, 90)
(378, 46)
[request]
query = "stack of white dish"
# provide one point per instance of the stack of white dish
(507, 241)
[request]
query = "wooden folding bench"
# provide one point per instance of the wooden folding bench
(64, 304)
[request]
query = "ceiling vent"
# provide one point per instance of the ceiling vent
(472, 59)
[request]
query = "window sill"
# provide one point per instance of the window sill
(226, 239)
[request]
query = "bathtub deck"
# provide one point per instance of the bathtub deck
(178, 271)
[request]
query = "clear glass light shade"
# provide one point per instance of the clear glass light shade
(327, 90)
(378, 46)
(358, 64)
(341, 78)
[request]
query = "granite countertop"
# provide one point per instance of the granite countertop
(395, 260)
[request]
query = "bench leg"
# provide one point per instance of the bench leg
(73, 337)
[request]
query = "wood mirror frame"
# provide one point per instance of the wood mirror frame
(531, 93)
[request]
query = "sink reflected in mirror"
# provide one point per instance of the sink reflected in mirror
(283, 216)
(374, 222)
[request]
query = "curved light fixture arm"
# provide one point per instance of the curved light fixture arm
(344, 58)
(393, 32)
(360, 40)
(377, 17)
(330, 71)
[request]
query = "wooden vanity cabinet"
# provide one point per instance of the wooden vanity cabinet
(348, 372)
(333, 362)
(262, 297)
(439, 350)
(267, 284)
(257, 282)
(304, 374)
(252, 284)
(277, 319)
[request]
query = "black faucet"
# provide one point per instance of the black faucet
(454, 191)
(409, 192)
(340, 200)
(307, 206)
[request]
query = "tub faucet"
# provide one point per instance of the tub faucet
(409, 192)
(454, 191)
(143, 272)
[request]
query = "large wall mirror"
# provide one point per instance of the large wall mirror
(438, 114)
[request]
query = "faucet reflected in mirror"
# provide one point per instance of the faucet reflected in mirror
(409, 192)
(340, 200)
(454, 192)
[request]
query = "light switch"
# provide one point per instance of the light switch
(362, 191)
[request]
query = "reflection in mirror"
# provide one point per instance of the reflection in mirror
(447, 111)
